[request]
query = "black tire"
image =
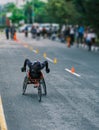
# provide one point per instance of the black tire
(44, 86)
(39, 93)
(25, 84)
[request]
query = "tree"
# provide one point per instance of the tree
(92, 11)
(89, 10)
(28, 10)
(39, 11)
(17, 14)
(62, 11)
(9, 7)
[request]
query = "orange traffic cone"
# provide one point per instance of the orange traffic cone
(15, 37)
(72, 69)
(68, 41)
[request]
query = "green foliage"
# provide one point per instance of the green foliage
(17, 15)
(9, 7)
(62, 11)
(89, 10)
(34, 11)
(28, 12)
(92, 10)
(39, 11)
(59, 11)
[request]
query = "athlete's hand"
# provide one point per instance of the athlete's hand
(23, 69)
(47, 70)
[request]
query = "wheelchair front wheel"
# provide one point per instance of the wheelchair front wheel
(44, 86)
(39, 93)
(25, 84)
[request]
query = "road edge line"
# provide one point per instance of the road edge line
(3, 125)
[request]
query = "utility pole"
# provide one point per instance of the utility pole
(17, 2)
(33, 17)
(30, 11)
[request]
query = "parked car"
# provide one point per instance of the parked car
(55, 26)
(22, 28)
(47, 26)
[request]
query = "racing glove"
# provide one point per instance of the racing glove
(47, 70)
(23, 69)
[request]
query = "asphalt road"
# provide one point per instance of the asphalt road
(72, 102)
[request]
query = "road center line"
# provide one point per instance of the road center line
(36, 51)
(72, 72)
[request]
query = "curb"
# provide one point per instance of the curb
(93, 48)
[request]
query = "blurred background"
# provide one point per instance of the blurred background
(22, 13)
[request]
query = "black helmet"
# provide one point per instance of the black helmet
(37, 66)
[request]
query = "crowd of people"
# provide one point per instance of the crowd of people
(37, 32)
(79, 35)
(75, 34)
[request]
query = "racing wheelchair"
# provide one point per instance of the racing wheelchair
(38, 83)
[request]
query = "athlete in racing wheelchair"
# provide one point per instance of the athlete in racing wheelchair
(35, 76)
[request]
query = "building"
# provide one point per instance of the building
(2, 17)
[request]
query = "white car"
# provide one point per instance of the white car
(22, 28)
(48, 25)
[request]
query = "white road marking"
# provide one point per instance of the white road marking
(35, 51)
(72, 72)
(49, 59)
(3, 125)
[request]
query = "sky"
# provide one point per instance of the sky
(16, 1)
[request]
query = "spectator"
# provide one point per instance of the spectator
(38, 32)
(80, 34)
(26, 31)
(90, 38)
(33, 32)
(94, 36)
(7, 32)
(12, 31)
(72, 33)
